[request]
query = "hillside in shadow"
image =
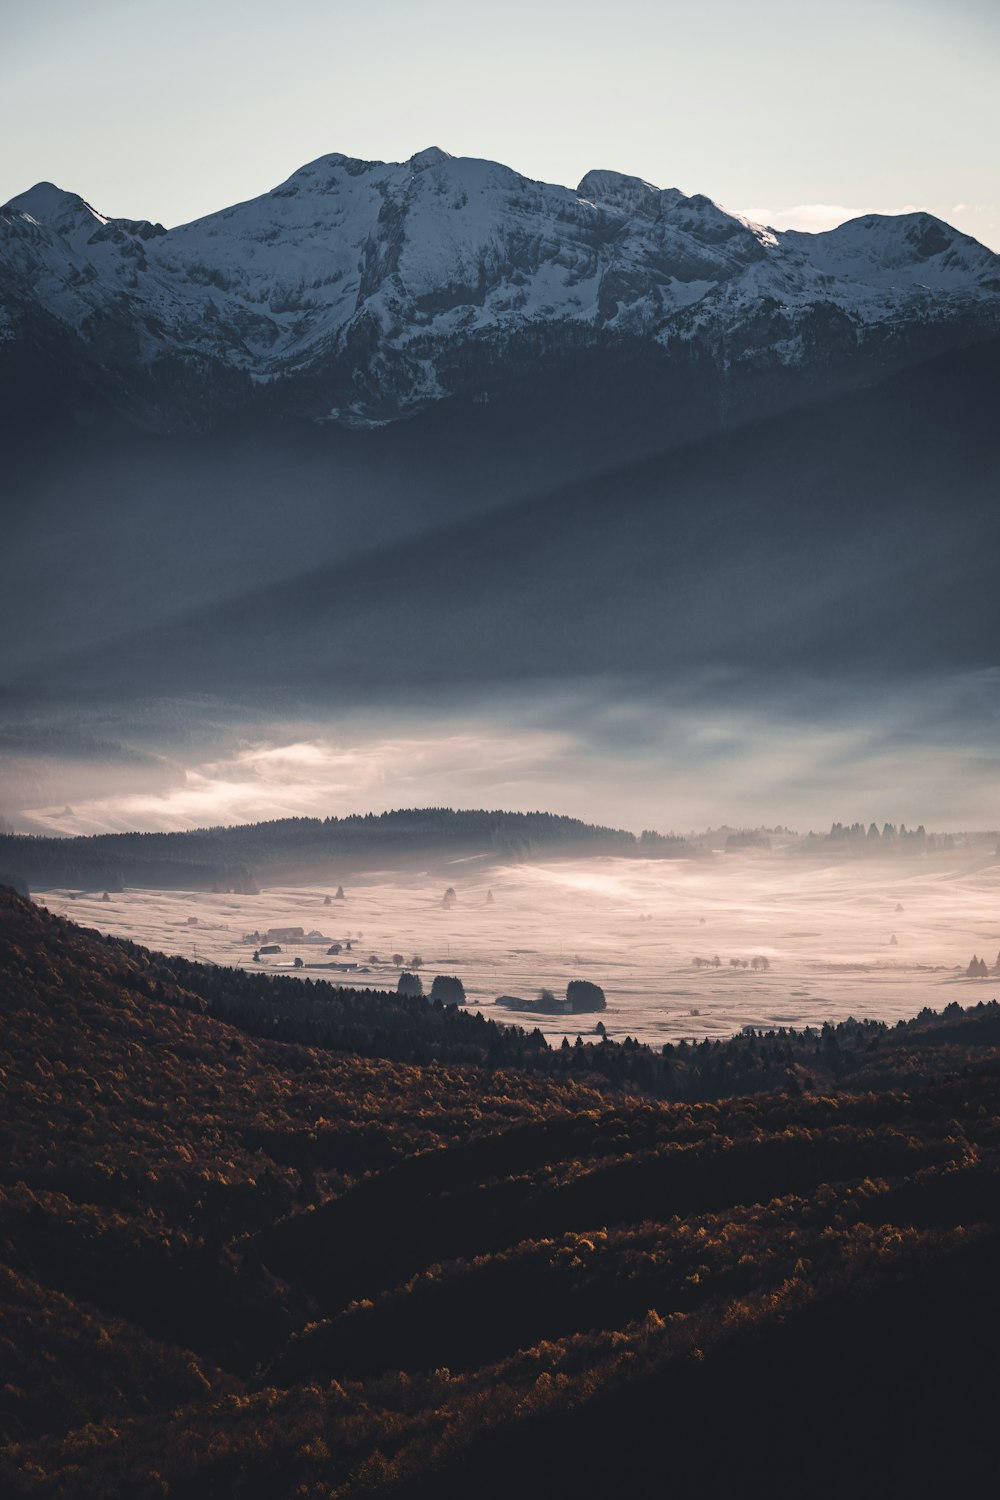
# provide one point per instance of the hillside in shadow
(261, 1238)
(852, 536)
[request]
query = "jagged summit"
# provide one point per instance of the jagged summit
(45, 198)
(55, 207)
(383, 286)
(73, 219)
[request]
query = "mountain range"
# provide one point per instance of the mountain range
(359, 292)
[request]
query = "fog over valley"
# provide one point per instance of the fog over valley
(708, 750)
(690, 947)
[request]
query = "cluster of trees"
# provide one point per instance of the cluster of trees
(245, 1248)
(448, 989)
(890, 838)
(581, 996)
(758, 963)
(748, 838)
(663, 845)
(978, 969)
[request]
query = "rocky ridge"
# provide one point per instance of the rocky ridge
(358, 292)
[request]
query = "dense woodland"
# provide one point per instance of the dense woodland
(260, 1238)
(241, 857)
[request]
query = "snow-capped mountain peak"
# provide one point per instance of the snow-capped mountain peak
(72, 217)
(54, 208)
(385, 285)
(899, 249)
(617, 191)
(431, 157)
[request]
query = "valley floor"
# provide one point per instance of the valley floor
(635, 927)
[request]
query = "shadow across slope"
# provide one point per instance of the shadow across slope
(853, 535)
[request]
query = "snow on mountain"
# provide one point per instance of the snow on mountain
(904, 251)
(386, 285)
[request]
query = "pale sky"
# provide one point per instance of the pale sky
(799, 112)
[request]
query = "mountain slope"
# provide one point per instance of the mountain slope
(859, 534)
(360, 291)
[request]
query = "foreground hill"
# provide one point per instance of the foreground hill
(233, 1265)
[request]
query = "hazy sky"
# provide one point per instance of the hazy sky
(800, 112)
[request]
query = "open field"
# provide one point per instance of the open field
(633, 926)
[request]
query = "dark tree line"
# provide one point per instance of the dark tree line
(237, 858)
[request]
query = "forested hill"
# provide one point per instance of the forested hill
(233, 1264)
(294, 849)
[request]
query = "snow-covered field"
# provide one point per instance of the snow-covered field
(635, 927)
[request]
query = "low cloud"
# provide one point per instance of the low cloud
(799, 752)
(811, 217)
(325, 776)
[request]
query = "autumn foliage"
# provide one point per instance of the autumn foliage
(253, 1244)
